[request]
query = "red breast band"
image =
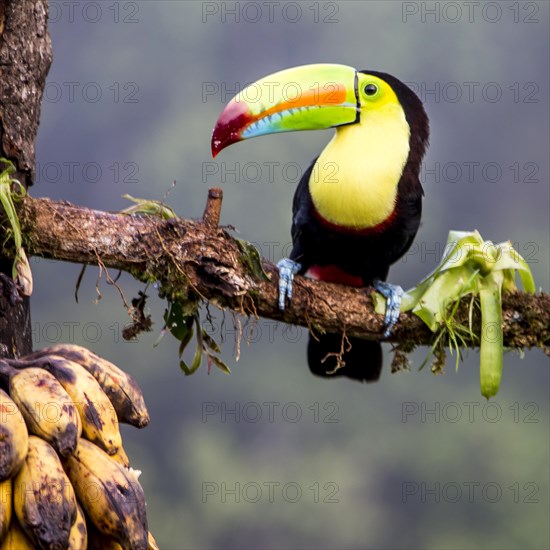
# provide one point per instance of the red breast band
(375, 229)
(333, 274)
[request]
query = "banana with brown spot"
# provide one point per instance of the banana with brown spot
(46, 407)
(43, 497)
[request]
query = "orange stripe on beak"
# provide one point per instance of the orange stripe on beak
(333, 94)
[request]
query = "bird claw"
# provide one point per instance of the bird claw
(393, 295)
(287, 270)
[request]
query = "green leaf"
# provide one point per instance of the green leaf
(148, 207)
(470, 266)
(178, 320)
(21, 271)
(185, 339)
(210, 342)
(252, 259)
(491, 346)
(197, 359)
(219, 363)
(446, 289)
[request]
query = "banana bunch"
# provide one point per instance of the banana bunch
(65, 479)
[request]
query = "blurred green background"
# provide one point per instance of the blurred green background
(414, 461)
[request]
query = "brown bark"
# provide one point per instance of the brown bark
(193, 260)
(25, 58)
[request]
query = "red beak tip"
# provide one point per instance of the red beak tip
(229, 126)
(216, 146)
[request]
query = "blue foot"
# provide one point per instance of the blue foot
(287, 270)
(393, 295)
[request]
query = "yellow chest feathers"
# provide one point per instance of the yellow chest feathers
(354, 181)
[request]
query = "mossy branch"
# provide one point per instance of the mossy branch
(196, 260)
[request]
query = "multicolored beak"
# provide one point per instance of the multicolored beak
(310, 97)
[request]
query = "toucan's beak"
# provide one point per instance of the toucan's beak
(310, 97)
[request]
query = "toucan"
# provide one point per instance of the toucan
(357, 207)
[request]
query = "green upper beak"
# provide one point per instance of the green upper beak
(310, 97)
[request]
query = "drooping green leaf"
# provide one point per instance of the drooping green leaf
(210, 342)
(252, 259)
(491, 346)
(177, 320)
(219, 363)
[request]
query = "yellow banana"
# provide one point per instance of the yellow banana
(152, 542)
(121, 457)
(43, 498)
(14, 438)
(78, 536)
(111, 497)
(46, 407)
(97, 415)
(5, 507)
(121, 388)
(16, 538)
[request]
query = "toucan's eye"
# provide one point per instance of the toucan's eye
(370, 89)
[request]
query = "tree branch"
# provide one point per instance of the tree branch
(194, 260)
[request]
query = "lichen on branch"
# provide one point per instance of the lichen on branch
(196, 260)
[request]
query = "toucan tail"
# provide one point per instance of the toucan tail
(363, 360)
